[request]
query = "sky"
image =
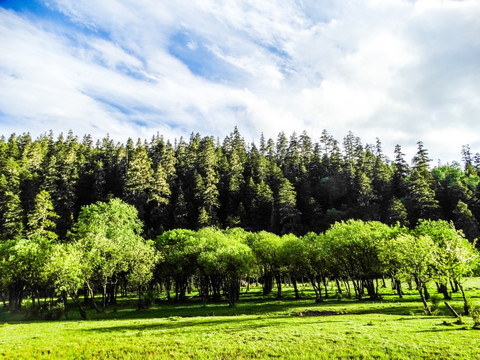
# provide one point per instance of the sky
(402, 71)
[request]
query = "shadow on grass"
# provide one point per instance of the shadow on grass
(238, 324)
(256, 304)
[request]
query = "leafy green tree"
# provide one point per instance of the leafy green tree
(292, 259)
(179, 250)
(228, 258)
(355, 246)
(415, 257)
(265, 247)
(68, 271)
(441, 232)
(142, 260)
(23, 267)
(108, 234)
(454, 256)
(317, 260)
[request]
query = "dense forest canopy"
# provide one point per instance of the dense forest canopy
(76, 217)
(294, 184)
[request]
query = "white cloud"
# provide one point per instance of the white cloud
(402, 71)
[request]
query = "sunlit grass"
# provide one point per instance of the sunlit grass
(258, 327)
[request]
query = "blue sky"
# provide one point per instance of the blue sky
(399, 70)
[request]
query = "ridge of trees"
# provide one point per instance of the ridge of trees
(292, 185)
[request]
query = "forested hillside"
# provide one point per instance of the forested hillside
(294, 184)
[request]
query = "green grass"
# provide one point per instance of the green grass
(258, 327)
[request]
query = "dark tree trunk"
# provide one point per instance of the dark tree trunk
(278, 279)
(295, 287)
(424, 300)
(466, 306)
(65, 305)
(425, 290)
(325, 285)
(76, 300)
(398, 287)
(442, 289)
(85, 294)
(267, 283)
(317, 288)
(339, 288)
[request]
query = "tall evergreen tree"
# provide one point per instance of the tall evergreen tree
(421, 201)
(41, 220)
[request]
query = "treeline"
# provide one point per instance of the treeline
(105, 254)
(294, 184)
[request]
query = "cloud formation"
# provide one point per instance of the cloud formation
(399, 70)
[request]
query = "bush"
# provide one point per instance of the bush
(148, 300)
(435, 301)
(475, 313)
(54, 312)
(51, 311)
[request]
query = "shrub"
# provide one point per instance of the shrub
(435, 304)
(475, 313)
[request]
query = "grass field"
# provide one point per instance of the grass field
(258, 327)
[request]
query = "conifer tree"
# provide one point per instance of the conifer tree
(421, 202)
(41, 220)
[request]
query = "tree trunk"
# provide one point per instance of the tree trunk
(420, 291)
(325, 285)
(295, 288)
(442, 289)
(92, 297)
(76, 300)
(267, 283)
(65, 304)
(140, 298)
(317, 288)
(339, 288)
(398, 287)
(425, 290)
(85, 295)
(104, 296)
(466, 306)
(279, 286)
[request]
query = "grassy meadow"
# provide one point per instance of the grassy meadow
(258, 327)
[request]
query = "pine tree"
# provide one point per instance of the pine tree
(138, 179)
(401, 171)
(41, 220)
(206, 183)
(11, 216)
(465, 220)
(288, 215)
(421, 202)
(397, 213)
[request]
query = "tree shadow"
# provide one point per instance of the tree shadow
(239, 324)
